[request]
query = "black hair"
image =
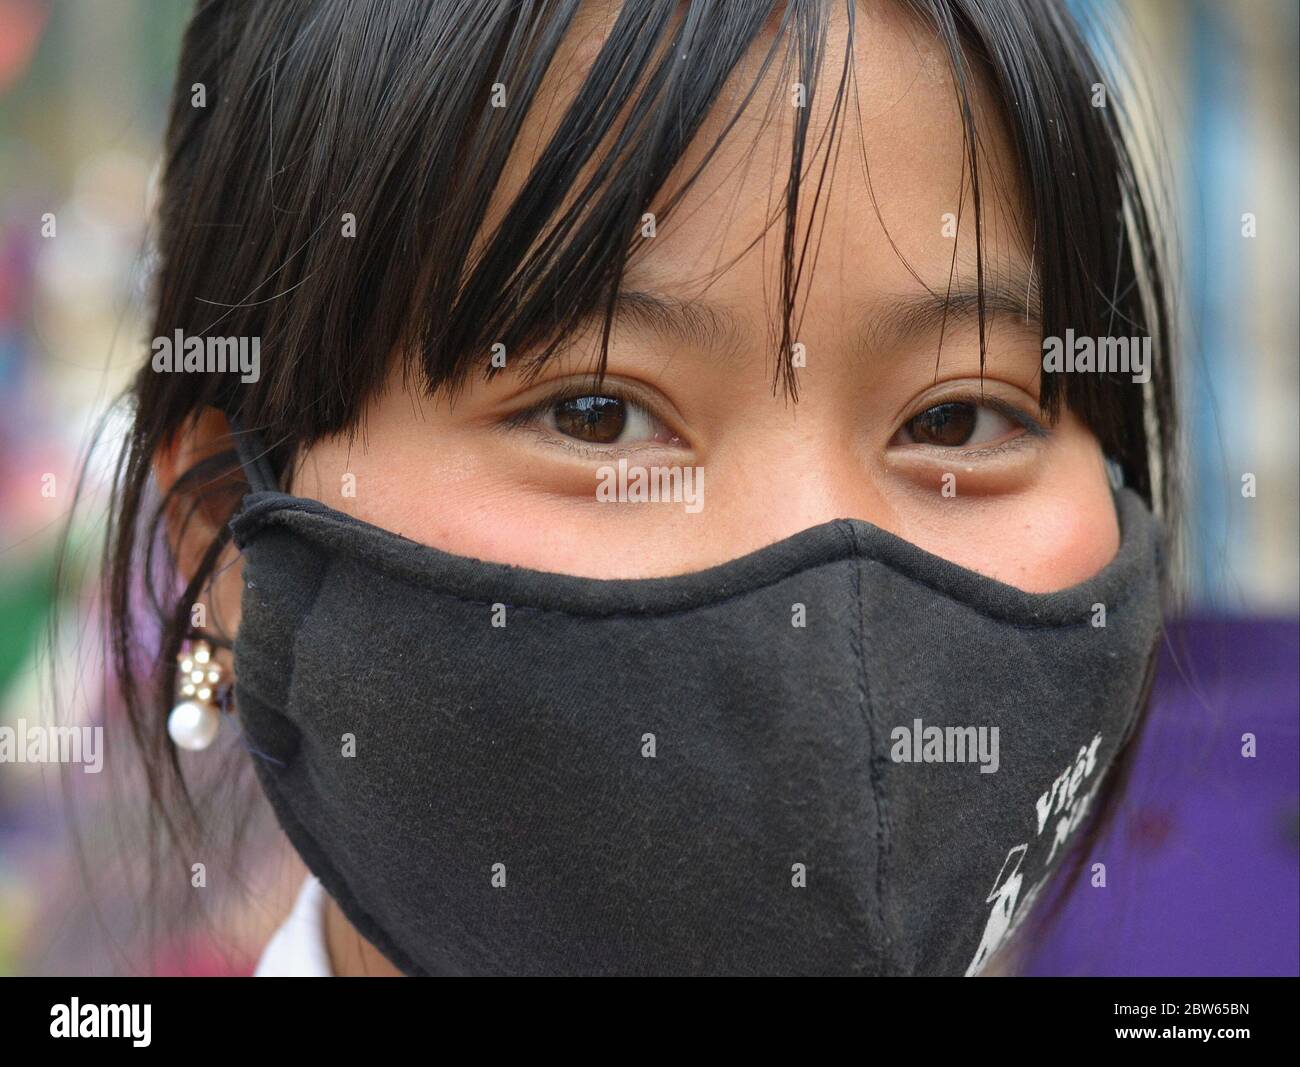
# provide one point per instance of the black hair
(382, 110)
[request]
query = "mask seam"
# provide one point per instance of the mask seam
(857, 639)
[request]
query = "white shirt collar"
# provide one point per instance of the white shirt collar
(297, 949)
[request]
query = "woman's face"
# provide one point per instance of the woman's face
(894, 422)
(889, 425)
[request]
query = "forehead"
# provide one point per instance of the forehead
(890, 158)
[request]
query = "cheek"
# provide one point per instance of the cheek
(466, 494)
(1062, 542)
(1058, 530)
(1073, 532)
(1038, 543)
(1047, 538)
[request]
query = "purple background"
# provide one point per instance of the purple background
(1203, 860)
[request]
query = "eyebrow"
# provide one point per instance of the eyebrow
(693, 322)
(889, 322)
(905, 317)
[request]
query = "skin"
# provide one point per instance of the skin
(486, 479)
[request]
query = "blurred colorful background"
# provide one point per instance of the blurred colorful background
(1205, 855)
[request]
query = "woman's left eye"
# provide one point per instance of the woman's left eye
(957, 424)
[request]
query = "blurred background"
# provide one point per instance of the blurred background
(1204, 856)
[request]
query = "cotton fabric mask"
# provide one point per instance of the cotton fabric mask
(496, 770)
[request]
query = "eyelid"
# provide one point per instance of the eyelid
(569, 391)
(1035, 430)
(527, 417)
(1016, 414)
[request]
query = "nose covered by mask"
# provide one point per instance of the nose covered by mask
(838, 754)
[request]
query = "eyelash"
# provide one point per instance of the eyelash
(1034, 429)
(527, 420)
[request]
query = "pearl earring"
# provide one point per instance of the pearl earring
(196, 718)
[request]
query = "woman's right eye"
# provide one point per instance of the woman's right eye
(600, 419)
(597, 419)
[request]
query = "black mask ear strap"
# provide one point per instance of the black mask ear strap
(253, 457)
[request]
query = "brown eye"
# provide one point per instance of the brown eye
(947, 425)
(598, 419)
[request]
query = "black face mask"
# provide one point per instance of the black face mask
(786, 764)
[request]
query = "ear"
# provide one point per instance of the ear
(200, 498)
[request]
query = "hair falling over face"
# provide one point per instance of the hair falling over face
(379, 111)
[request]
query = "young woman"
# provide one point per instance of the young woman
(651, 529)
